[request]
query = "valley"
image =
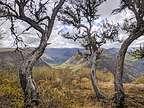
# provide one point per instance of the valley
(67, 84)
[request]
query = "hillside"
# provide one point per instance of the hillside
(133, 68)
(8, 56)
(59, 55)
(67, 87)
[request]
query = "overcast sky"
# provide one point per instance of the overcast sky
(104, 10)
(59, 42)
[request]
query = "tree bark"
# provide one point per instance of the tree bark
(28, 85)
(31, 97)
(119, 97)
(98, 94)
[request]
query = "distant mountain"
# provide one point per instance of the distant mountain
(59, 55)
(133, 68)
(9, 58)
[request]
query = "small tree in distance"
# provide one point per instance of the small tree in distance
(80, 16)
(138, 53)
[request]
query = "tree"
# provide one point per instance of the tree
(80, 17)
(138, 53)
(135, 29)
(35, 13)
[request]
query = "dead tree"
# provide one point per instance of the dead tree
(80, 17)
(135, 29)
(36, 14)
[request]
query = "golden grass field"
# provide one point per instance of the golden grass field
(67, 87)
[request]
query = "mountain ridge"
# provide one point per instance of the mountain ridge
(133, 67)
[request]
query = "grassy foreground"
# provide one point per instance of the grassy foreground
(67, 87)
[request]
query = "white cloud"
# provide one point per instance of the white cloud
(58, 41)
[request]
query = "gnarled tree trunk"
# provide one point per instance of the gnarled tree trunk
(28, 84)
(31, 97)
(99, 95)
(120, 95)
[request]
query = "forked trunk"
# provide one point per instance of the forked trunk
(99, 94)
(119, 97)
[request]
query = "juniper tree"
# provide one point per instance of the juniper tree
(36, 13)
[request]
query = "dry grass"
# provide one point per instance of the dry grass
(139, 80)
(66, 87)
(10, 92)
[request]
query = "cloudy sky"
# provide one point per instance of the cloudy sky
(59, 42)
